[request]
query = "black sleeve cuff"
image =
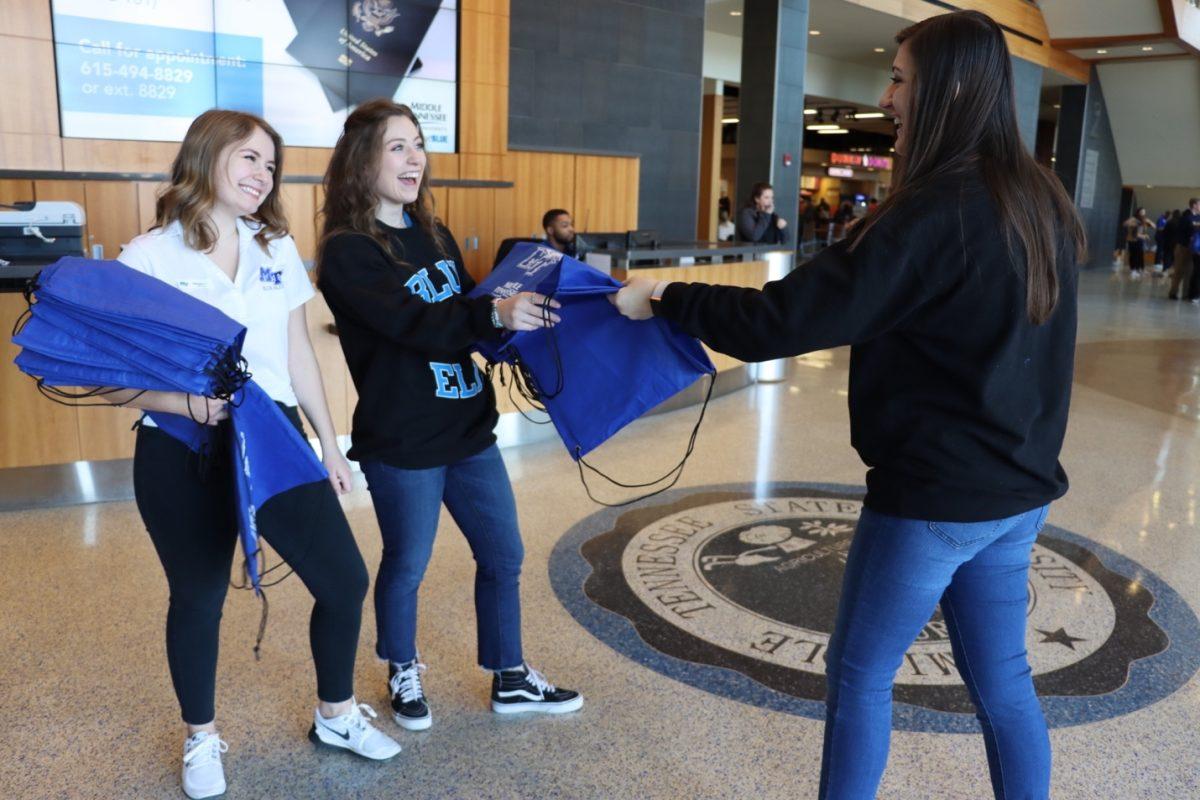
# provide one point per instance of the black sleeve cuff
(669, 306)
(481, 319)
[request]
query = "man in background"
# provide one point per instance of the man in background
(560, 231)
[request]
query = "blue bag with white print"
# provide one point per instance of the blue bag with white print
(595, 371)
(103, 324)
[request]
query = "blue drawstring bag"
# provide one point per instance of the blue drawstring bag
(102, 324)
(595, 371)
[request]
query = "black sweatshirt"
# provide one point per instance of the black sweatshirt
(407, 329)
(958, 403)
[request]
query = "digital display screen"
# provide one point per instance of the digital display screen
(144, 69)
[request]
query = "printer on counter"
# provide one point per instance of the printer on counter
(40, 233)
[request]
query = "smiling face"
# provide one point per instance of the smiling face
(249, 174)
(401, 164)
(897, 98)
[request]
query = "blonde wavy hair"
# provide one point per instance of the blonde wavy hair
(193, 188)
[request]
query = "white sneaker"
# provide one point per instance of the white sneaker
(203, 775)
(353, 732)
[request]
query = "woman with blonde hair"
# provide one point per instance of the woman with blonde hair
(395, 281)
(220, 235)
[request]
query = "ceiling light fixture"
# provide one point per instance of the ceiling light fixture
(814, 33)
(822, 127)
(1147, 49)
(834, 130)
(735, 13)
(870, 115)
(880, 50)
(729, 120)
(1101, 52)
(808, 112)
(1058, 105)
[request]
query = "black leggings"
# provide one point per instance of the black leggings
(193, 523)
(1137, 255)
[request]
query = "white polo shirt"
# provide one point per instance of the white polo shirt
(267, 287)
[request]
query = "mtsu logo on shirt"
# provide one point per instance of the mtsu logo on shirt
(270, 278)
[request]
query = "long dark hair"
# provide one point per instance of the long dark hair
(962, 119)
(350, 198)
(192, 191)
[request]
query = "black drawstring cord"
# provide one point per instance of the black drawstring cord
(676, 471)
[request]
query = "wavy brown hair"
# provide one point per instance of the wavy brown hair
(190, 196)
(963, 119)
(350, 198)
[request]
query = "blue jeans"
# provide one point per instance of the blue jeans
(477, 492)
(897, 572)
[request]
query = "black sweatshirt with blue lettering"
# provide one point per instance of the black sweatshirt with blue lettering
(958, 403)
(406, 328)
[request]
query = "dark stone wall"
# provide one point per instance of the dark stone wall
(620, 77)
(1086, 161)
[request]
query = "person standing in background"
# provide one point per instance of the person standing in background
(1182, 277)
(758, 221)
(1137, 233)
(1160, 237)
(1170, 236)
(726, 228)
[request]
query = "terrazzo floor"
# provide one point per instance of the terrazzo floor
(87, 711)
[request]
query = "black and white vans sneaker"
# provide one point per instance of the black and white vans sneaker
(409, 708)
(525, 689)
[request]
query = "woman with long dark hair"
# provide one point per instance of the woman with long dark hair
(757, 221)
(220, 235)
(958, 297)
(397, 286)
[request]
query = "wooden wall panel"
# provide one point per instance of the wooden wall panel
(472, 221)
(29, 18)
(112, 214)
(606, 190)
(106, 433)
(147, 198)
(710, 167)
(500, 7)
(299, 204)
(502, 217)
(443, 166)
(750, 274)
(483, 118)
(112, 155)
(541, 181)
(33, 430)
(483, 48)
(306, 160)
(483, 167)
(441, 202)
(14, 191)
(30, 91)
(33, 151)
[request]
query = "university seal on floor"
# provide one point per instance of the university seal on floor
(736, 592)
